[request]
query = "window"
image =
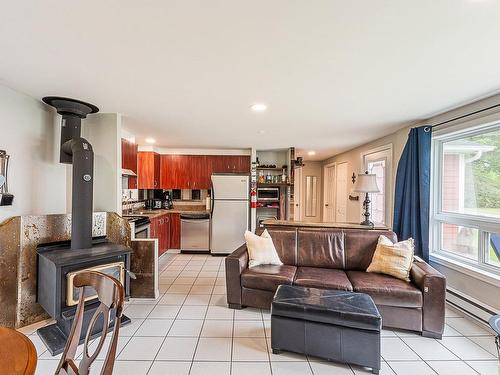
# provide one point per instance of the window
(378, 162)
(466, 197)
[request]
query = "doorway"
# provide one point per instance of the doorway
(379, 162)
(329, 171)
(341, 193)
(297, 194)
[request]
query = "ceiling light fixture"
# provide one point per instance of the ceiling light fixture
(311, 153)
(259, 107)
(150, 140)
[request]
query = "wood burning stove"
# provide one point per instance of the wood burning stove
(58, 263)
(116, 270)
(57, 266)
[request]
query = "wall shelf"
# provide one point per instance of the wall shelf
(277, 184)
(271, 169)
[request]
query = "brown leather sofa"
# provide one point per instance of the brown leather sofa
(337, 259)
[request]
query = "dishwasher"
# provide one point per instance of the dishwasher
(195, 233)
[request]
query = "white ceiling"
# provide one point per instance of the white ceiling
(333, 73)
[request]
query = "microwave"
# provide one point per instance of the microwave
(268, 194)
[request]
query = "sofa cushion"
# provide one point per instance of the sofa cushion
(386, 290)
(285, 242)
(320, 248)
(322, 278)
(360, 245)
(261, 249)
(267, 277)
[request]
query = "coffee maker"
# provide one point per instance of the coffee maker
(167, 201)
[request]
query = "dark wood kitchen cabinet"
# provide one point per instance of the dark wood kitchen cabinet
(199, 172)
(148, 170)
(173, 171)
(166, 179)
(160, 229)
(175, 231)
(129, 161)
(194, 171)
(230, 163)
(243, 164)
(184, 172)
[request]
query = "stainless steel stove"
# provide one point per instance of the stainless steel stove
(141, 224)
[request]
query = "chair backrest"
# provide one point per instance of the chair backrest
(110, 293)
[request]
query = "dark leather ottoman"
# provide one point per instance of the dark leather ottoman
(332, 324)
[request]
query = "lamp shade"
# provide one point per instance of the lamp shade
(366, 183)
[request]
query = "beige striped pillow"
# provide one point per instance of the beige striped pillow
(394, 259)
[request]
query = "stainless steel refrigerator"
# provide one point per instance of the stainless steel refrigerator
(230, 212)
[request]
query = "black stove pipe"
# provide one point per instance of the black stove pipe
(77, 151)
(82, 157)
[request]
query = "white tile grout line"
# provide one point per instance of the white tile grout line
(202, 325)
(267, 345)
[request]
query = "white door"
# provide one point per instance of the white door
(378, 162)
(329, 193)
(297, 194)
(229, 223)
(341, 193)
(230, 186)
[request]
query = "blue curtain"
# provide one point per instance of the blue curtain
(412, 195)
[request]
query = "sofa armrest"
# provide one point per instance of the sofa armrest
(236, 263)
(433, 286)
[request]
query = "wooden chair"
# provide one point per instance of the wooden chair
(111, 294)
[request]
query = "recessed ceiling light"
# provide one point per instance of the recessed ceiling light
(150, 140)
(311, 153)
(262, 131)
(259, 107)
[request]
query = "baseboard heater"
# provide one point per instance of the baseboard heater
(469, 305)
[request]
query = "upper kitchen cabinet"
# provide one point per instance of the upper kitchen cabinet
(230, 163)
(243, 164)
(194, 171)
(148, 170)
(199, 172)
(129, 161)
(185, 172)
(174, 172)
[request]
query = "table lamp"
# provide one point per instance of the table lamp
(366, 183)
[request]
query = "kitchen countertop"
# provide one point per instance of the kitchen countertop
(201, 209)
(290, 223)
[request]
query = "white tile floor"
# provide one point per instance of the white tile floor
(189, 330)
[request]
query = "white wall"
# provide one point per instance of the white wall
(30, 136)
(103, 131)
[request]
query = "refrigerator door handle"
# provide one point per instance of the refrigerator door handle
(213, 198)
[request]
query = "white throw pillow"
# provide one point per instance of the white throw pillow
(261, 249)
(394, 259)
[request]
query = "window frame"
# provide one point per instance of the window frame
(484, 224)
